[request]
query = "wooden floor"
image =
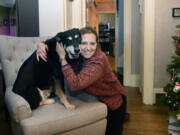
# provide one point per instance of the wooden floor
(144, 119)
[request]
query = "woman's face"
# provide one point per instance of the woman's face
(88, 45)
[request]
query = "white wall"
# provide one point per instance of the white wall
(60, 15)
(164, 47)
(49, 17)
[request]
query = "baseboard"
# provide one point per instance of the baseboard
(158, 91)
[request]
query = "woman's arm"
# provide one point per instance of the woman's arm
(89, 74)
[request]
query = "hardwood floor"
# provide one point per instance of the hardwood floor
(144, 119)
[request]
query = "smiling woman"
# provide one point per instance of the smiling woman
(96, 78)
(88, 45)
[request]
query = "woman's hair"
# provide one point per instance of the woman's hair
(88, 30)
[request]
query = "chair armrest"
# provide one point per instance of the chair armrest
(17, 106)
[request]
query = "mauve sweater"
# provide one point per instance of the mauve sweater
(96, 78)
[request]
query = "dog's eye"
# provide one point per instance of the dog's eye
(76, 36)
(70, 38)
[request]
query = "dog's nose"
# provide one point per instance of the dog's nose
(77, 50)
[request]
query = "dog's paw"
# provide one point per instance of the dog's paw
(50, 101)
(47, 101)
(70, 107)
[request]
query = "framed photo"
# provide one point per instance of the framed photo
(176, 12)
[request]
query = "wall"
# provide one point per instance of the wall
(49, 17)
(60, 15)
(135, 37)
(164, 29)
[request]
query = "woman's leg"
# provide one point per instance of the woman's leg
(115, 119)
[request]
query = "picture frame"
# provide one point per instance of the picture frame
(176, 12)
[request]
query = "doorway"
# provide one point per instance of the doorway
(101, 16)
(107, 17)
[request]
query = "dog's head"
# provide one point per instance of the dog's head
(71, 40)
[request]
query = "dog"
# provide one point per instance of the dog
(35, 79)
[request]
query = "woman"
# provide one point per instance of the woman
(95, 78)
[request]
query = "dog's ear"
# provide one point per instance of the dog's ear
(58, 39)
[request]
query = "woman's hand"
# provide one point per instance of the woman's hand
(61, 52)
(41, 51)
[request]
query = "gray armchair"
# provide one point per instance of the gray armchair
(89, 117)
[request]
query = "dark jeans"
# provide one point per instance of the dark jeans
(115, 119)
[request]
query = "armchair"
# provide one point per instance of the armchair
(89, 117)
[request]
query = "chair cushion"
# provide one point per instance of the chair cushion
(55, 118)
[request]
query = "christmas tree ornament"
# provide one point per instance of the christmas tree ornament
(177, 87)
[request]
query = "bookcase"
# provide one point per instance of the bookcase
(107, 39)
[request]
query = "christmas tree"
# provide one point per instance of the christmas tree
(172, 89)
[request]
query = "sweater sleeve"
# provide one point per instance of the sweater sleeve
(90, 73)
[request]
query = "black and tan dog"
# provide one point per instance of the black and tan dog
(35, 78)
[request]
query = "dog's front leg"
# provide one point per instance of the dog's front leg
(63, 97)
(45, 101)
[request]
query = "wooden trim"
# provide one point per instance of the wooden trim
(127, 43)
(148, 51)
(63, 14)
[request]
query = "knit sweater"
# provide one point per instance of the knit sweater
(96, 78)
